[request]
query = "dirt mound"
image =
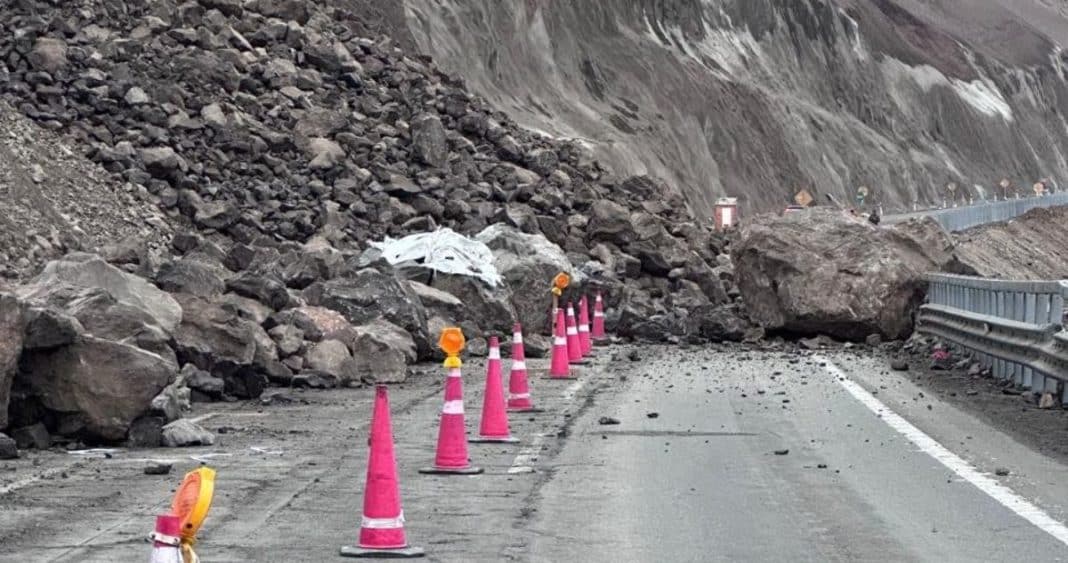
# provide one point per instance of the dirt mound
(1033, 246)
(53, 200)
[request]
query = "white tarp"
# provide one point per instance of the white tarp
(445, 251)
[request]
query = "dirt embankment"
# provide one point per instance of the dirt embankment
(1032, 246)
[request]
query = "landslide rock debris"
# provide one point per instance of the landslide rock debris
(201, 182)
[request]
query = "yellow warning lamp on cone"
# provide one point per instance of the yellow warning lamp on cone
(560, 283)
(191, 504)
(452, 343)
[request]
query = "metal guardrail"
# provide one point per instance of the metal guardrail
(1013, 327)
(966, 217)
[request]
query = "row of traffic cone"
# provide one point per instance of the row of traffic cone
(382, 526)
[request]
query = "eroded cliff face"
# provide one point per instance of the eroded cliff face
(760, 98)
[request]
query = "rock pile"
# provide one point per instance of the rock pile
(278, 142)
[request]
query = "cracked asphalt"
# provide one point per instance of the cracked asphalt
(720, 454)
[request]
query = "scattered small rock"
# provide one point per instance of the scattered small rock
(652, 415)
(158, 468)
(782, 452)
(634, 356)
(899, 365)
(1001, 471)
(607, 420)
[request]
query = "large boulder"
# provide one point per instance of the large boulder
(11, 329)
(827, 272)
(90, 271)
(382, 352)
(370, 294)
(218, 341)
(95, 387)
(527, 263)
(487, 306)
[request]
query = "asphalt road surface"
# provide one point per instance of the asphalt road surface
(719, 455)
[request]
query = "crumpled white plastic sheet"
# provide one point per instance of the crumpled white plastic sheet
(445, 251)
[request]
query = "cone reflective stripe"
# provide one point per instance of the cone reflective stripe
(493, 425)
(166, 540)
(451, 456)
(598, 319)
(518, 385)
(574, 348)
(560, 366)
(382, 522)
(584, 327)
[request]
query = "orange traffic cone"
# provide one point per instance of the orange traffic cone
(166, 540)
(560, 367)
(598, 319)
(382, 525)
(518, 387)
(451, 457)
(493, 426)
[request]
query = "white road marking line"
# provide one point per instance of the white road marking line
(524, 460)
(46, 474)
(992, 488)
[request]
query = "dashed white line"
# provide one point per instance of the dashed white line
(992, 488)
(524, 460)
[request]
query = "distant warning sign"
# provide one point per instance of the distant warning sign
(804, 198)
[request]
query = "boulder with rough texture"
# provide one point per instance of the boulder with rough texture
(826, 272)
(489, 307)
(717, 323)
(527, 263)
(429, 145)
(11, 330)
(331, 357)
(218, 341)
(90, 271)
(8, 447)
(190, 276)
(184, 433)
(370, 294)
(96, 387)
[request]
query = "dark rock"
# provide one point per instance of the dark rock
(11, 339)
(158, 468)
(429, 145)
(607, 421)
(146, 432)
(202, 381)
(1002, 471)
(8, 448)
(899, 365)
(782, 452)
(33, 436)
(190, 276)
(266, 289)
(98, 387)
(652, 415)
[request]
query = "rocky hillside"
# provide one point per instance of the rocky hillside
(269, 143)
(760, 98)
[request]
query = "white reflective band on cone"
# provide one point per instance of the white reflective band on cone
(494, 354)
(559, 341)
(383, 523)
(570, 312)
(572, 331)
(598, 314)
(163, 538)
(455, 372)
(519, 365)
(519, 395)
(517, 338)
(584, 328)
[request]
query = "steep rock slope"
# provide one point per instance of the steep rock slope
(759, 98)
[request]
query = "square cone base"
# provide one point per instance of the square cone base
(470, 470)
(525, 409)
(571, 377)
(399, 553)
(493, 440)
(582, 362)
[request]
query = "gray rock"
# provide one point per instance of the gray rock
(331, 357)
(8, 448)
(11, 338)
(34, 436)
(229, 347)
(824, 271)
(184, 433)
(542, 161)
(97, 387)
(324, 153)
(490, 307)
(288, 338)
(369, 294)
(190, 276)
(429, 145)
(266, 289)
(216, 215)
(382, 352)
(49, 54)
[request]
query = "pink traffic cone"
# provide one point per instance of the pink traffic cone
(451, 457)
(598, 319)
(560, 367)
(518, 387)
(166, 540)
(574, 348)
(493, 426)
(584, 327)
(382, 525)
